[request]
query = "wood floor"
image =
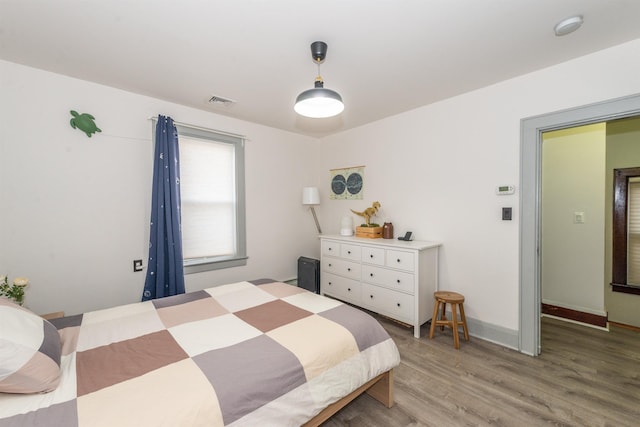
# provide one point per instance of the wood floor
(584, 377)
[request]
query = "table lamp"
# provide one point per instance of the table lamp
(311, 197)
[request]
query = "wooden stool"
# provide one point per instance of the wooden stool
(456, 300)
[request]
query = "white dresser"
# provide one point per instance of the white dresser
(391, 277)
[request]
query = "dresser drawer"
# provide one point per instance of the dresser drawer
(341, 287)
(394, 304)
(330, 248)
(392, 279)
(351, 252)
(373, 255)
(342, 267)
(400, 260)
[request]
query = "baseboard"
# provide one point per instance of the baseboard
(625, 326)
(493, 333)
(575, 315)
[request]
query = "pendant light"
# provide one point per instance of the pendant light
(319, 102)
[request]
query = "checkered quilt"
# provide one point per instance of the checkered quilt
(259, 353)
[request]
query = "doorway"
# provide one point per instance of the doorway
(530, 182)
(572, 219)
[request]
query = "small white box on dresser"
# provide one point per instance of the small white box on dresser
(394, 278)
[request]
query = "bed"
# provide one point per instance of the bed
(244, 354)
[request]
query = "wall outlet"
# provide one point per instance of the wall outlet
(137, 265)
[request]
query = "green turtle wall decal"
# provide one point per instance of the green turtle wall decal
(84, 122)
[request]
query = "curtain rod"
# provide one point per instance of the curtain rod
(155, 119)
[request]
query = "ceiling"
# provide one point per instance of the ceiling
(384, 57)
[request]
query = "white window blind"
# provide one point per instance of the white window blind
(207, 189)
(212, 199)
(633, 232)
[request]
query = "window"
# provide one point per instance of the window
(212, 199)
(633, 232)
(626, 231)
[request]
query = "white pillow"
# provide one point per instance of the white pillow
(29, 351)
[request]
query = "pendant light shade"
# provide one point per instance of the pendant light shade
(319, 102)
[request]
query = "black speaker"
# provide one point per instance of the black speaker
(309, 274)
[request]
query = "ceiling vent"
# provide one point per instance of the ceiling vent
(218, 100)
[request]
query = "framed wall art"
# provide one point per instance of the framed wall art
(347, 183)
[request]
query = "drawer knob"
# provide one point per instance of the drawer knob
(349, 252)
(348, 268)
(398, 304)
(371, 296)
(349, 289)
(330, 249)
(371, 274)
(330, 283)
(398, 259)
(329, 264)
(398, 280)
(371, 256)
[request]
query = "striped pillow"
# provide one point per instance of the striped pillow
(29, 351)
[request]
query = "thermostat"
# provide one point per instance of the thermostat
(503, 190)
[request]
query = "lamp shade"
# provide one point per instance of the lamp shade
(319, 103)
(310, 196)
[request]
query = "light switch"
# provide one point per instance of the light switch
(578, 217)
(506, 214)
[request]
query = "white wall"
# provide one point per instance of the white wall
(573, 180)
(75, 210)
(435, 169)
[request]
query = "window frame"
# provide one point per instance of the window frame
(619, 230)
(198, 265)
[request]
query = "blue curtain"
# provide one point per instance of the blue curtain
(165, 274)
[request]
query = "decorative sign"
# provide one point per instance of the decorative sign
(347, 183)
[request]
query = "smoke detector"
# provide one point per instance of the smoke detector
(568, 25)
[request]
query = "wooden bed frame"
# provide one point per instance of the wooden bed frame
(380, 388)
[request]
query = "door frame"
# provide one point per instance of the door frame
(531, 130)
